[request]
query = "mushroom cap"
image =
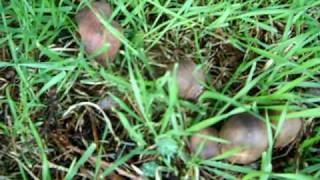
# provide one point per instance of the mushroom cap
(210, 148)
(107, 103)
(289, 131)
(246, 132)
(188, 78)
(94, 35)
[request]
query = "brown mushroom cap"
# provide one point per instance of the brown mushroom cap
(188, 79)
(289, 131)
(210, 148)
(94, 35)
(246, 132)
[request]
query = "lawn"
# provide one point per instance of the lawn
(63, 115)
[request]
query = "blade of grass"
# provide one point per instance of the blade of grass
(76, 165)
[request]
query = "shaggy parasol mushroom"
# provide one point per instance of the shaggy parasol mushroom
(210, 148)
(289, 130)
(94, 35)
(188, 79)
(246, 132)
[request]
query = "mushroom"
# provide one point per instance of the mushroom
(188, 79)
(289, 131)
(107, 103)
(210, 148)
(94, 35)
(246, 132)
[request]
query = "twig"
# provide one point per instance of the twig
(105, 117)
(94, 129)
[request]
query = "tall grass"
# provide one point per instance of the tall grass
(279, 41)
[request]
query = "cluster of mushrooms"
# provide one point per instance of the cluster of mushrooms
(243, 131)
(247, 133)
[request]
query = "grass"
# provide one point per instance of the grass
(257, 55)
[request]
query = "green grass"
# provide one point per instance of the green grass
(279, 46)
